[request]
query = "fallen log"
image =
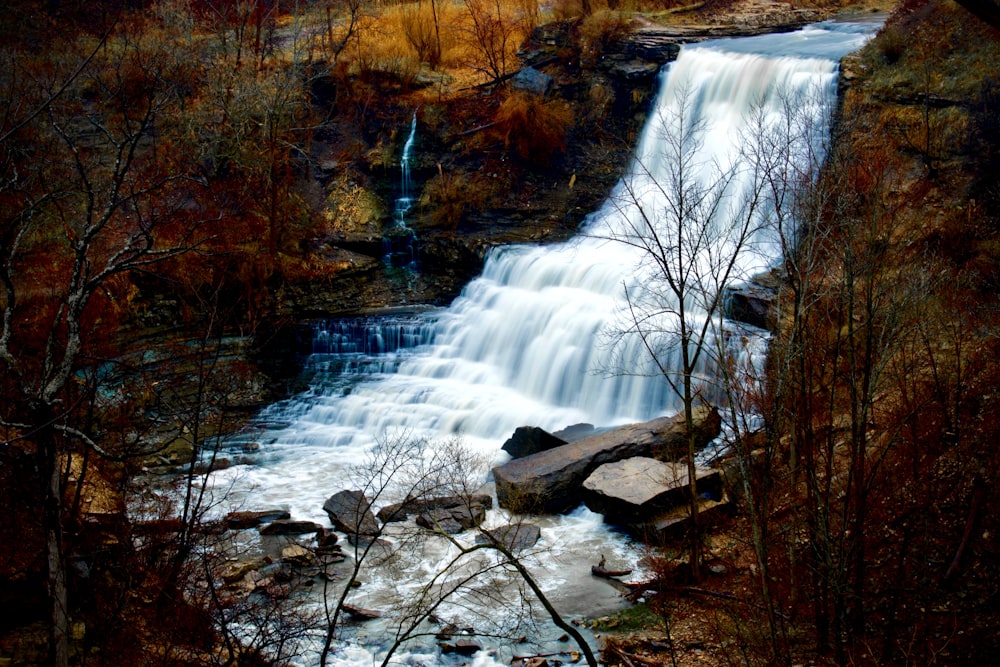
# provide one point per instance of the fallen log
(599, 571)
(360, 613)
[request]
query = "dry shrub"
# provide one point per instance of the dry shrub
(381, 49)
(528, 13)
(494, 30)
(567, 9)
(600, 31)
(601, 97)
(532, 129)
(891, 43)
(417, 22)
(411, 27)
(451, 196)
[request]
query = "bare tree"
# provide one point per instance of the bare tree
(100, 205)
(493, 33)
(480, 567)
(692, 233)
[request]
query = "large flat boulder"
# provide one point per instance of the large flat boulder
(552, 480)
(637, 488)
(673, 523)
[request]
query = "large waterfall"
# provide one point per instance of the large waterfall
(526, 342)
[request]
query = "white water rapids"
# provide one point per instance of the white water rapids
(525, 342)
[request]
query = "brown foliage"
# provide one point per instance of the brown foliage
(533, 130)
(453, 195)
(599, 32)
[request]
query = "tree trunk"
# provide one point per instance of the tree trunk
(51, 475)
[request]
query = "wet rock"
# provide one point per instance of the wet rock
(625, 491)
(552, 481)
(513, 537)
(453, 520)
(529, 440)
(401, 511)
(633, 70)
(235, 570)
(252, 519)
(290, 527)
(461, 647)
(350, 512)
(577, 432)
(360, 613)
(751, 303)
(297, 555)
(327, 540)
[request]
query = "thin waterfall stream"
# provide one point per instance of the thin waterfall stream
(401, 241)
(524, 343)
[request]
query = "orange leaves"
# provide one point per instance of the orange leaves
(532, 129)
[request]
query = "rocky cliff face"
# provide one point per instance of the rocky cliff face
(607, 80)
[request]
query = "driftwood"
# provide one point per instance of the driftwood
(599, 571)
(538, 655)
(360, 613)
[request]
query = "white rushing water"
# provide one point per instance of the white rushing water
(405, 200)
(525, 343)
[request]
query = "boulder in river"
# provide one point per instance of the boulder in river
(253, 518)
(514, 537)
(350, 512)
(529, 440)
(626, 491)
(290, 527)
(453, 520)
(297, 555)
(410, 506)
(552, 481)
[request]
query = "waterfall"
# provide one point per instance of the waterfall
(524, 342)
(401, 241)
(405, 200)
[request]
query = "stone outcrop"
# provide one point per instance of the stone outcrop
(532, 80)
(626, 491)
(551, 481)
(751, 303)
(350, 512)
(671, 524)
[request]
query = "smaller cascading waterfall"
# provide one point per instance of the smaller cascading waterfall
(401, 241)
(405, 201)
(358, 347)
